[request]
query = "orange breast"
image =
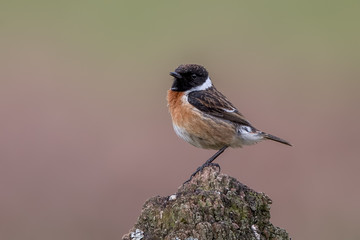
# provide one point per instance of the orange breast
(203, 130)
(181, 113)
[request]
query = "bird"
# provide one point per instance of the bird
(202, 116)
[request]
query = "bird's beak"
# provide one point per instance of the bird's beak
(176, 75)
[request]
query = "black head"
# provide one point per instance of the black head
(188, 76)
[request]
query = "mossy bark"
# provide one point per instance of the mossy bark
(211, 206)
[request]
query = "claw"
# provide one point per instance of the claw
(208, 163)
(201, 168)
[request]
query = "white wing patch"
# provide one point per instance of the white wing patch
(229, 110)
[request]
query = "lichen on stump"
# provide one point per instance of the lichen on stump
(211, 206)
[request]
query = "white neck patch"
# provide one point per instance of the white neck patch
(207, 84)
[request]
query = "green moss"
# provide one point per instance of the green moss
(216, 207)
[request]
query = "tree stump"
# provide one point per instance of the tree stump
(211, 206)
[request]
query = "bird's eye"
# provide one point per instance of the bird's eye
(194, 76)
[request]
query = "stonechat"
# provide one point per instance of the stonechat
(205, 118)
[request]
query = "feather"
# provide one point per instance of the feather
(214, 103)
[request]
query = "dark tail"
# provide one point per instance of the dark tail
(276, 139)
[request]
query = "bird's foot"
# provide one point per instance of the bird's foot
(201, 168)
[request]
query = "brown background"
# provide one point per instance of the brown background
(85, 136)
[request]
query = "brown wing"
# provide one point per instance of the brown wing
(214, 103)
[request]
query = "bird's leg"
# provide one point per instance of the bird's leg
(209, 162)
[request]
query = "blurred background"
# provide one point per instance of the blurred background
(85, 134)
